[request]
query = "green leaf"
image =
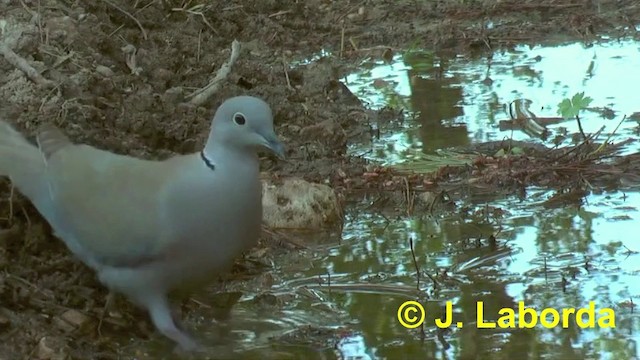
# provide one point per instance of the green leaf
(565, 109)
(516, 150)
(581, 101)
(571, 108)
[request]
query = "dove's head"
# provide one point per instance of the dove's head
(244, 123)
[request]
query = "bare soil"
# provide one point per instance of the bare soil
(122, 73)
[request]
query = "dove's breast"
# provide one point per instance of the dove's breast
(213, 218)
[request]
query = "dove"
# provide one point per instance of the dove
(149, 228)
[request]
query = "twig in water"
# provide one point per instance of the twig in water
(575, 148)
(580, 128)
(200, 96)
(415, 263)
(435, 282)
(608, 137)
(409, 197)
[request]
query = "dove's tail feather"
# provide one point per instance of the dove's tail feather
(22, 162)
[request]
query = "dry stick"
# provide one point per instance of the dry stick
(198, 13)
(282, 12)
(199, 45)
(547, 6)
(282, 238)
(22, 64)
(200, 303)
(200, 96)
(286, 73)
(26, 216)
(11, 204)
(353, 44)
(378, 47)
(342, 41)
(105, 309)
(234, 7)
(144, 33)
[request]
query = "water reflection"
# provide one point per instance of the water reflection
(463, 99)
(552, 259)
(435, 97)
(560, 257)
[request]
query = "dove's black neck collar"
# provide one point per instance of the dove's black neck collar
(206, 160)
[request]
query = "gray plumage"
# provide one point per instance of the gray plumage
(150, 227)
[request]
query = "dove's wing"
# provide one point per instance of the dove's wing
(108, 208)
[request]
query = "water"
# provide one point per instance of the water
(558, 258)
(455, 104)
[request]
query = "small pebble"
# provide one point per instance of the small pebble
(104, 71)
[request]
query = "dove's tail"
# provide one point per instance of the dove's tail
(22, 162)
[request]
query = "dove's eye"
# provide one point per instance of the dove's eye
(239, 119)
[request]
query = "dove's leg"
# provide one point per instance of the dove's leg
(160, 313)
(147, 291)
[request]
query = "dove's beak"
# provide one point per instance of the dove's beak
(272, 143)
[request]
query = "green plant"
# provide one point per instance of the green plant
(570, 108)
